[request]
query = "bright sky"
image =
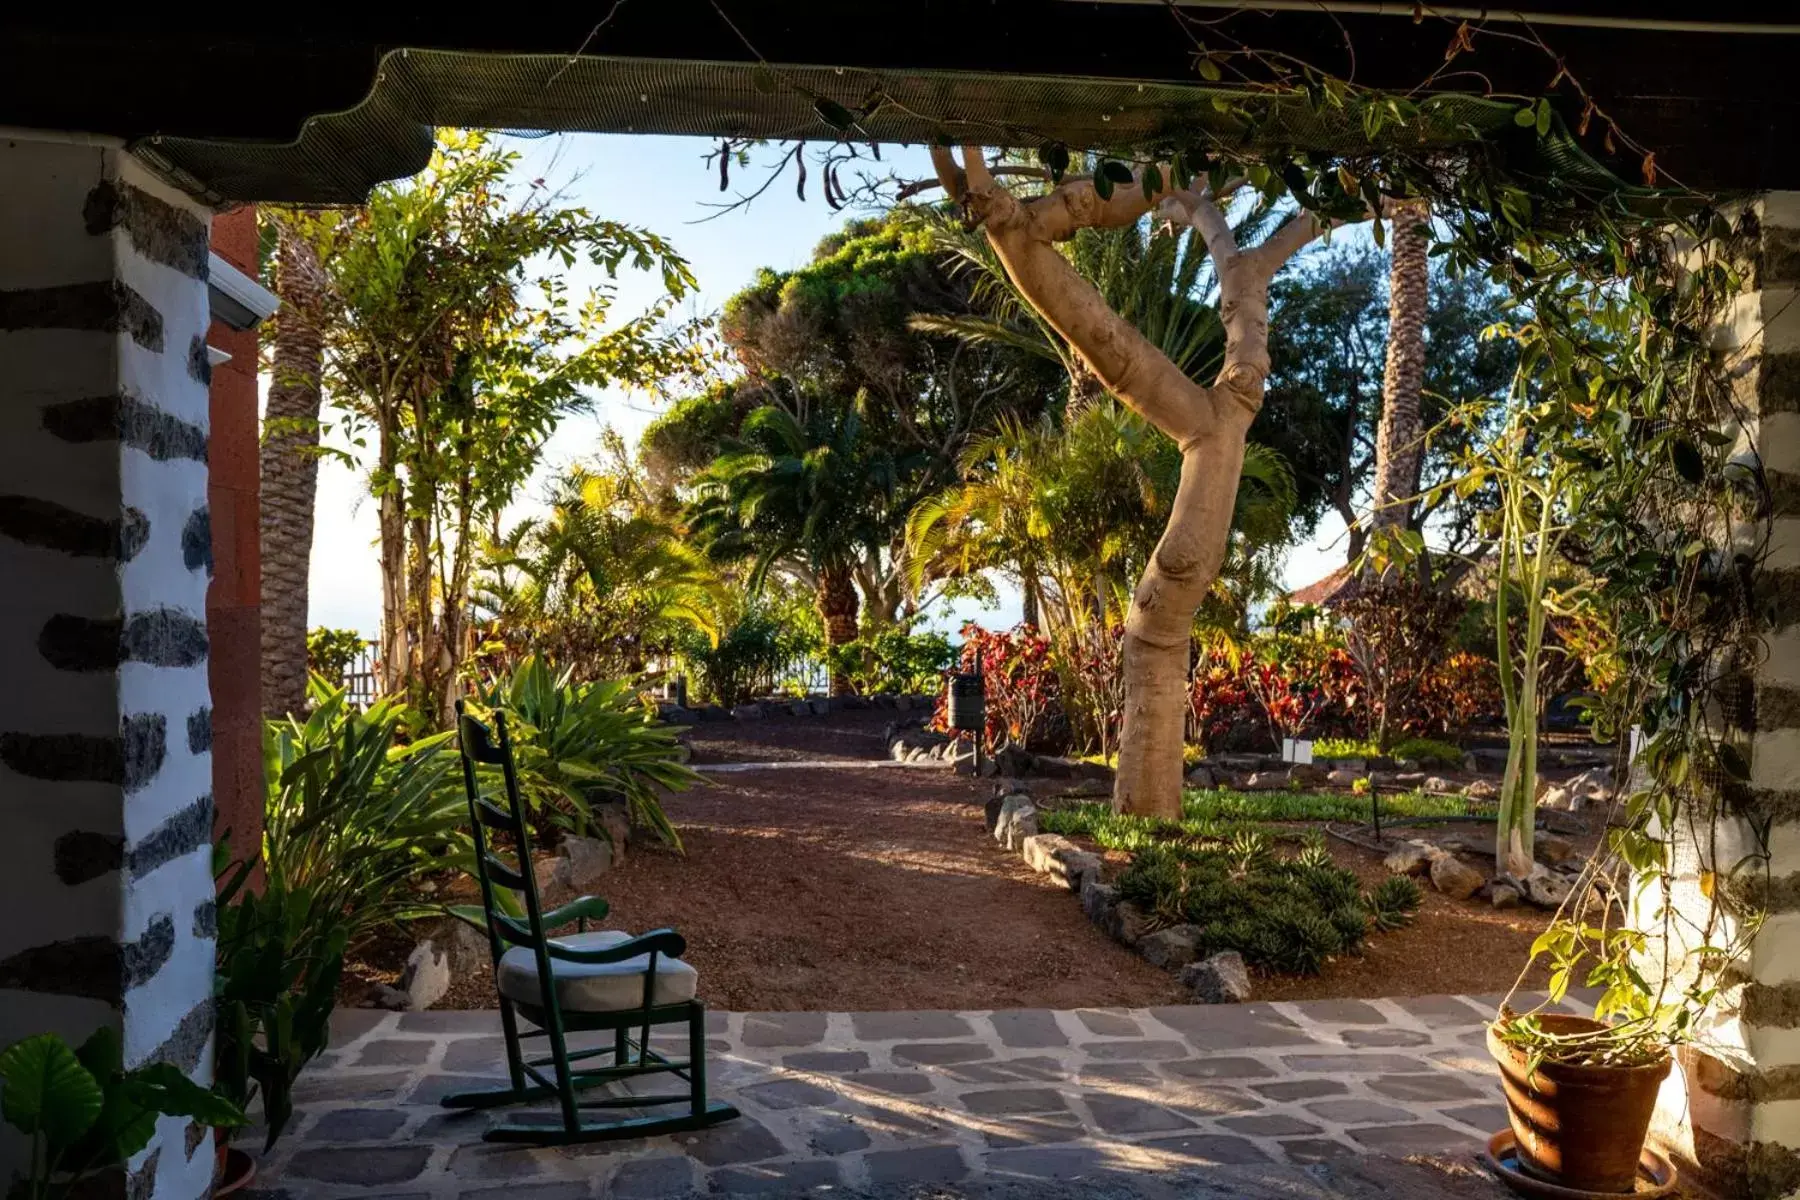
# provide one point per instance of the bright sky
(659, 183)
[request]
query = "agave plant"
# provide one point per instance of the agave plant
(351, 818)
(580, 745)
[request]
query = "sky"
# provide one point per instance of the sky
(662, 184)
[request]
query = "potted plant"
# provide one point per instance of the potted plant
(86, 1115)
(280, 954)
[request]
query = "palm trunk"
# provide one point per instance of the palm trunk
(1031, 608)
(290, 476)
(391, 514)
(1399, 440)
(838, 607)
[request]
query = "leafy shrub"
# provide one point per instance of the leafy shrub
(747, 658)
(1290, 915)
(1023, 690)
(84, 1113)
(330, 652)
(1400, 633)
(893, 660)
(580, 745)
(1394, 901)
(1090, 662)
(351, 818)
(1279, 685)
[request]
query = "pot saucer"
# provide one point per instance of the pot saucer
(1656, 1175)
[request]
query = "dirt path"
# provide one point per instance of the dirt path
(855, 887)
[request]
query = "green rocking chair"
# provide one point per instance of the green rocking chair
(581, 982)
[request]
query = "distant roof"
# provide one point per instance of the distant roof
(256, 102)
(1321, 593)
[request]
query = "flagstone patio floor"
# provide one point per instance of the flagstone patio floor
(1123, 1102)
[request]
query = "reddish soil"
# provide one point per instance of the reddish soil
(865, 888)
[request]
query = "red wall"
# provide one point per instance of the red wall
(233, 613)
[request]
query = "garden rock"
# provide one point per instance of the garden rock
(1343, 777)
(1266, 781)
(1409, 779)
(552, 875)
(1546, 888)
(426, 977)
(1221, 979)
(675, 714)
(588, 859)
(1451, 877)
(748, 712)
(1307, 775)
(1552, 850)
(1201, 777)
(1437, 783)
(1482, 789)
(1016, 821)
(1170, 948)
(1100, 901)
(1503, 895)
(1131, 923)
(1412, 858)
(800, 708)
(1559, 799)
(1014, 760)
(1054, 854)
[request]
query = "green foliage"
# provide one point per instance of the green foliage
(83, 1112)
(1328, 329)
(1420, 750)
(1291, 915)
(330, 652)
(453, 344)
(604, 580)
(1394, 901)
(280, 955)
(894, 660)
(353, 816)
(580, 745)
(1217, 815)
(759, 642)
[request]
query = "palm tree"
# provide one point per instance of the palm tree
(290, 472)
(1399, 440)
(804, 491)
(600, 582)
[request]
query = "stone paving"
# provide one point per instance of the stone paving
(861, 1100)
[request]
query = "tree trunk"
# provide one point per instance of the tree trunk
(1030, 612)
(838, 606)
(1159, 628)
(391, 513)
(290, 476)
(1208, 423)
(1399, 440)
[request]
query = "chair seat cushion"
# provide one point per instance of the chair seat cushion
(596, 987)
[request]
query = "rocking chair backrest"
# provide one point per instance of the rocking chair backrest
(491, 747)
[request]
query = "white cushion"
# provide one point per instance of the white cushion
(596, 987)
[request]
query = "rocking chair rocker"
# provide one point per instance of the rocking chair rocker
(598, 981)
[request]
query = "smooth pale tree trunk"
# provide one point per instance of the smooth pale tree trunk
(838, 606)
(1400, 437)
(290, 475)
(1208, 423)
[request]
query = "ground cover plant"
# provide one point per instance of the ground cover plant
(1428, 751)
(1219, 813)
(1291, 913)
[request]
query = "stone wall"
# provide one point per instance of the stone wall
(1733, 1111)
(106, 719)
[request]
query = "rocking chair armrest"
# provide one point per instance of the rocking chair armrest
(660, 941)
(582, 908)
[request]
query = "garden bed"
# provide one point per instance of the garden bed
(840, 887)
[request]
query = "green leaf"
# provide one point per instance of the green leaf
(834, 114)
(1153, 180)
(1732, 759)
(1543, 116)
(1526, 116)
(1688, 462)
(1209, 70)
(1103, 184)
(1116, 171)
(47, 1090)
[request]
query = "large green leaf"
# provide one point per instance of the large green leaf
(47, 1090)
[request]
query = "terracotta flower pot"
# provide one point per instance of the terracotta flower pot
(235, 1169)
(1580, 1127)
